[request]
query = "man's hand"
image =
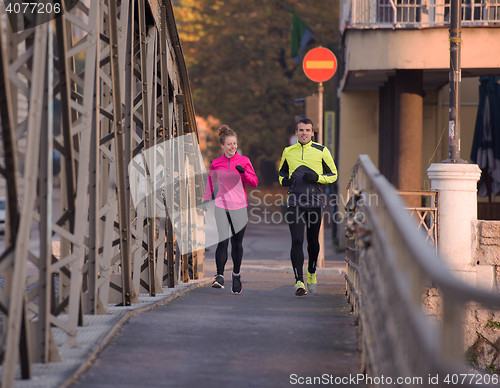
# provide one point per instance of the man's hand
(286, 182)
(204, 205)
(240, 169)
(310, 177)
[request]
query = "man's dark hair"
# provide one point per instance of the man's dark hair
(305, 121)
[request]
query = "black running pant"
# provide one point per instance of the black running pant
(298, 219)
(231, 225)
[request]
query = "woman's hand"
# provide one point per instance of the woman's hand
(240, 169)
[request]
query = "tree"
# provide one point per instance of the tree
(238, 58)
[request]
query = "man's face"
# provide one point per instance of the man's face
(304, 132)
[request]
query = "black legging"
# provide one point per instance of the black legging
(231, 225)
(299, 218)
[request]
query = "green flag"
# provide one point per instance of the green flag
(301, 34)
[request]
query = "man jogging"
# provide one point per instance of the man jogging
(304, 167)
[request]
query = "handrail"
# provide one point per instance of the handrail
(388, 265)
(394, 10)
(425, 258)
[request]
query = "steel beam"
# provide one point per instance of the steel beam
(17, 294)
(13, 212)
(167, 135)
(45, 186)
(82, 128)
(119, 154)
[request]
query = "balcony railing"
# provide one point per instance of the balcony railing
(427, 214)
(416, 13)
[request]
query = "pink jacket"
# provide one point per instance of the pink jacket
(231, 194)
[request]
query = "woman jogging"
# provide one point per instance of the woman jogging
(231, 172)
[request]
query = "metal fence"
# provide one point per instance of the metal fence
(388, 266)
(427, 214)
(416, 13)
(117, 73)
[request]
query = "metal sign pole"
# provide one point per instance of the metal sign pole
(319, 65)
(455, 79)
(321, 236)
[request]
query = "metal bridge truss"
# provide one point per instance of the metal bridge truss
(389, 264)
(117, 71)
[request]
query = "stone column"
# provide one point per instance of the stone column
(457, 187)
(408, 122)
(408, 130)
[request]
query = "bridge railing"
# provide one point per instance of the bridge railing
(388, 266)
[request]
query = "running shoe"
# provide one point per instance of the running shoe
(237, 284)
(218, 282)
(311, 281)
(300, 289)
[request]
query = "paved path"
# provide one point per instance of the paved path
(267, 246)
(212, 338)
(265, 337)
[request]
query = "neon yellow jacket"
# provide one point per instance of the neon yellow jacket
(299, 159)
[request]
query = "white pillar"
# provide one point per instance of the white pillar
(457, 187)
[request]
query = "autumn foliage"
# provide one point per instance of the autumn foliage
(241, 72)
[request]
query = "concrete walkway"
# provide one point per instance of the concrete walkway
(196, 336)
(265, 337)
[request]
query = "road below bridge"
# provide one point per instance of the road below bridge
(264, 337)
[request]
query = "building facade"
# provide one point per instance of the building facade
(394, 88)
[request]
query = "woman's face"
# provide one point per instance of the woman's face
(230, 146)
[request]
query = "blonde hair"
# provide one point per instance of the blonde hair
(225, 132)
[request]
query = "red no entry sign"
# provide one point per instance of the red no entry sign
(319, 64)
